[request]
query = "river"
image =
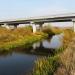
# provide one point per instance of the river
(21, 62)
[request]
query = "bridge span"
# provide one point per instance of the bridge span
(33, 21)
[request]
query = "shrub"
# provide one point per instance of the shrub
(48, 31)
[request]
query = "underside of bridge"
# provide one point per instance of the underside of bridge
(33, 24)
(40, 21)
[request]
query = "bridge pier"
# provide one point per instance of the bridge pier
(33, 27)
(15, 25)
(41, 26)
(6, 26)
(9, 26)
(0, 25)
(74, 26)
(73, 20)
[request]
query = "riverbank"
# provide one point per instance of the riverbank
(60, 63)
(20, 37)
(51, 65)
(67, 60)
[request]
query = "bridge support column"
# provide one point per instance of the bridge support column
(6, 26)
(0, 25)
(74, 26)
(40, 27)
(15, 25)
(33, 27)
(10, 26)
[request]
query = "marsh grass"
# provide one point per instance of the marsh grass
(67, 61)
(63, 61)
(48, 30)
(19, 37)
(46, 66)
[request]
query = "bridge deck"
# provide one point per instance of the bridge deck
(50, 18)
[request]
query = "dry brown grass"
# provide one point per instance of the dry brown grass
(57, 30)
(18, 37)
(68, 35)
(67, 59)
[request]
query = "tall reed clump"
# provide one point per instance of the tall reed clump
(68, 35)
(67, 64)
(62, 63)
(46, 66)
(57, 30)
(48, 30)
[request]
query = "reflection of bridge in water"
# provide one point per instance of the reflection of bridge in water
(33, 21)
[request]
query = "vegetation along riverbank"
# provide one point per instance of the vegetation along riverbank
(10, 39)
(63, 62)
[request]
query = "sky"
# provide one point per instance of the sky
(28, 8)
(12, 9)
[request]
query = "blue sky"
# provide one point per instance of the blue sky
(27, 8)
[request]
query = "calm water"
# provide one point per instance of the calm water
(22, 62)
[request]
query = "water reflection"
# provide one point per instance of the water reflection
(16, 64)
(55, 42)
(44, 47)
(21, 60)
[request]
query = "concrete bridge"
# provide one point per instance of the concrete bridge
(33, 21)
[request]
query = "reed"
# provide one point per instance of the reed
(46, 65)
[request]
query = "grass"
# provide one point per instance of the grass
(63, 62)
(48, 30)
(67, 61)
(46, 66)
(57, 30)
(20, 37)
(68, 35)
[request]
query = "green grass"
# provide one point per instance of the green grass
(20, 37)
(46, 65)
